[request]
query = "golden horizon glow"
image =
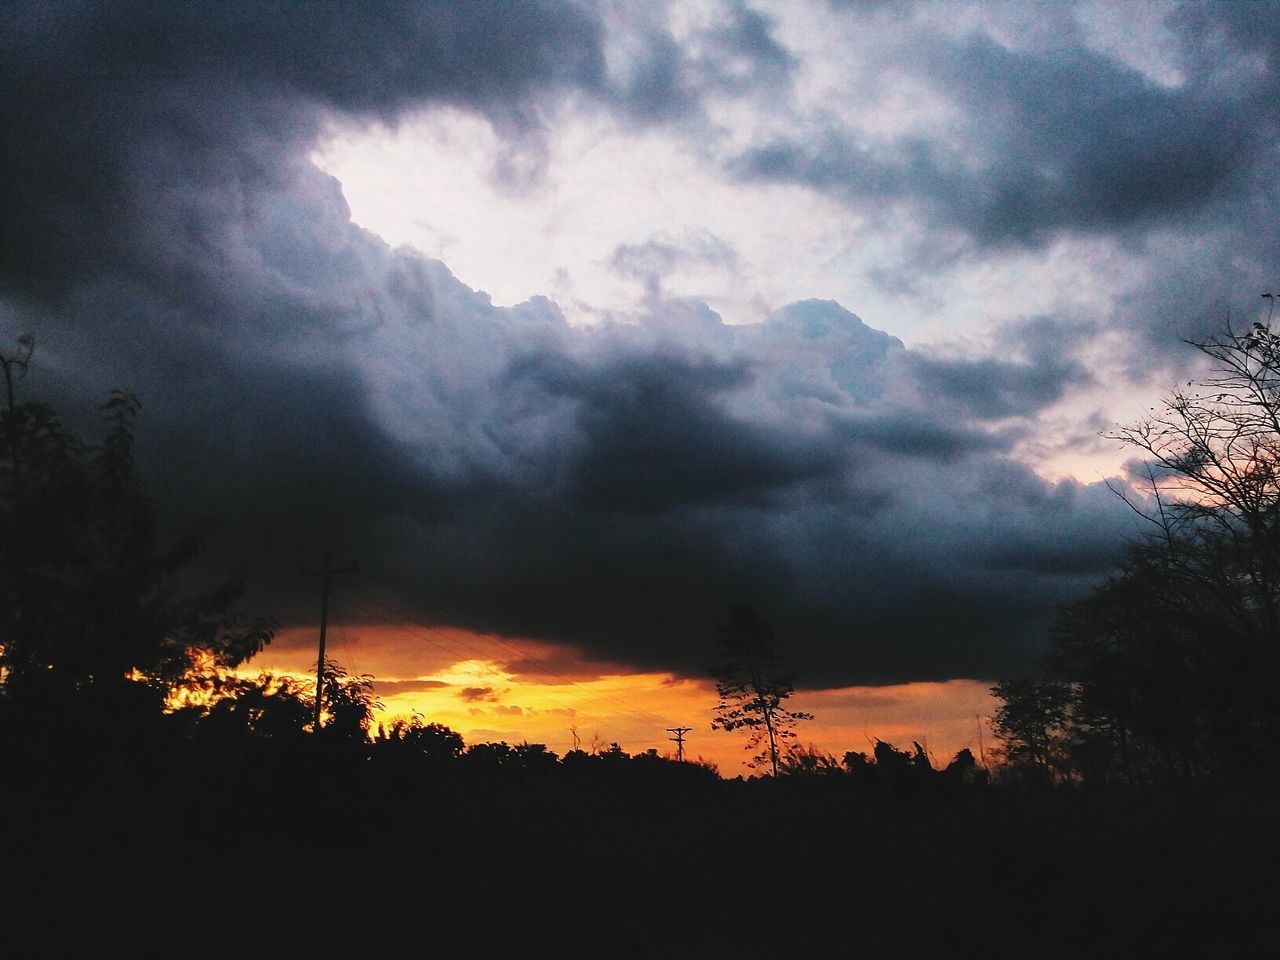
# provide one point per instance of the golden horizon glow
(491, 689)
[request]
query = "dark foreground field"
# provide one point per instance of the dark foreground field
(327, 853)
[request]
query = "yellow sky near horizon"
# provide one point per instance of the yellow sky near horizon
(491, 688)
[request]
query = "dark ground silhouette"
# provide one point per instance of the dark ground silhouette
(154, 801)
(259, 841)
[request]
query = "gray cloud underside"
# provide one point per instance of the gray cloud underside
(1053, 140)
(611, 487)
(1066, 142)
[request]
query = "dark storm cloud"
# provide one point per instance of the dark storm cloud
(1052, 139)
(1085, 144)
(561, 666)
(1222, 40)
(132, 129)
(908, 546)
(745, 40)
(615, 487)
(992, 388)
(655, 431)
(1060, 141)
(657, 77)
(919, 434)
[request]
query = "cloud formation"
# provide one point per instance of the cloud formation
(1056, 142)
(1056, 123)
(609, 487)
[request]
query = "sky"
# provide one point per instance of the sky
(574, 323)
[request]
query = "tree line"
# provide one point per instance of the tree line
(1167, 671)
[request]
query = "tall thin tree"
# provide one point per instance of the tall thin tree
(753, 688)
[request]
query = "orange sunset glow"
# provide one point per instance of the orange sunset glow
(492, 689)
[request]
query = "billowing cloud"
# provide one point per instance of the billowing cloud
(609, 487)
(1026, 129)
(653, 259)
(1047, 134)
(142, 136)
(1064, 140)
(657, 72)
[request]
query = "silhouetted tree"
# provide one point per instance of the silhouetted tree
(856, 760)
(89, 602)
(534, 756)
(1168, 667)
(963, 768)
(489, 757)
(1165, 681)
(429, 743)
(1031, 723)
(348, 703)
(223, 708)
(901, 773)
(801, 760)
(1212, 480)
(753, 689)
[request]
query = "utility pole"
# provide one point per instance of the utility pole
(19, 362)
(325, 574)
(678, 740)
(982, 750)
